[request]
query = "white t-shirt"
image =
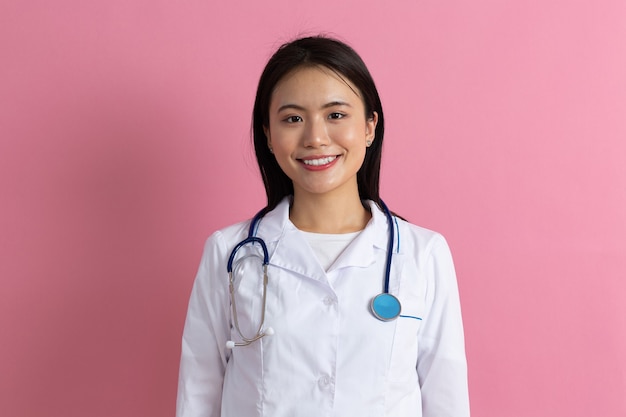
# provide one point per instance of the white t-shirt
(328, 247)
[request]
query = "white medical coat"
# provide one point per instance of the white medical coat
(329, 355)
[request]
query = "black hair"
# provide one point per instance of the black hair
(341, 59)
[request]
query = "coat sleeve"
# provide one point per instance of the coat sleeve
(442, 367)
(207, 328)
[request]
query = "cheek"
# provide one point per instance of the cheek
(283, 144)
(281, 137)
(349, 135)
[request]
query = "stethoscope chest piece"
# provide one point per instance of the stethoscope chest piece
(385, 307)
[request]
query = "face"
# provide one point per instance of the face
(318, 131)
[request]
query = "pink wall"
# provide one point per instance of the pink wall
(124, 143)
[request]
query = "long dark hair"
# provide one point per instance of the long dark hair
(340, 58)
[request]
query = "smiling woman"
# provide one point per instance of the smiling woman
(319, 132)
(307, 267)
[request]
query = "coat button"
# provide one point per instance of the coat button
(328, 300)
(324, 381)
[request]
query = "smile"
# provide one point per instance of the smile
(320, 161)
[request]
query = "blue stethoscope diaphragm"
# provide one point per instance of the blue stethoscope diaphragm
(385, 307)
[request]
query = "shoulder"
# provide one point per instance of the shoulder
(419, 236)
(234, 232)
(227, 237)
(429, 253)
(423, 245)
(267, 226)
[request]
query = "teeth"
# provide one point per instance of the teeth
(318, 162)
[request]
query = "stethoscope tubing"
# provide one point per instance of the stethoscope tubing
(259, 333)
(249, 239)
(389, 246)
(385, 306)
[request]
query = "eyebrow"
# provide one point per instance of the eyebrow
(325, 106)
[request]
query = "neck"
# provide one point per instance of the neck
(332, 214)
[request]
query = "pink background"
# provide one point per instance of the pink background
(124, 142)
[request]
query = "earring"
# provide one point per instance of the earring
(368, 143)
(271, 149)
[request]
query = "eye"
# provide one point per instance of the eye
(336, 115)
(293, 119)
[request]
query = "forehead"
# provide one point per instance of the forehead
(314, 82)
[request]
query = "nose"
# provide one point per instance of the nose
(315, 134)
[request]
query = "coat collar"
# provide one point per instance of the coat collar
(281, 236)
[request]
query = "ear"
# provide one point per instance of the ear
(370, 127)
(266, 131)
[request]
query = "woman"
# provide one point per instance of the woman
(312, 342)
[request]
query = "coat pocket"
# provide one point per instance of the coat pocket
(403, 365)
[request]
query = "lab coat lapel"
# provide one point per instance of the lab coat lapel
(287, 247)
(362, 251)
(289, 250)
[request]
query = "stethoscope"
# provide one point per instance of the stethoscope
(384, 306)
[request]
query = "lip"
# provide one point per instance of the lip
(320, 167)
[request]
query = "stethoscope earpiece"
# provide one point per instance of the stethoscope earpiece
(268, 332)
